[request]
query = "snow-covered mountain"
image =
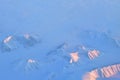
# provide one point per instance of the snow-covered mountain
(59, 40)
(23, 56)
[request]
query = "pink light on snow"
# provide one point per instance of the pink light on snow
(93, 54)
(7, 39)
(74, 57)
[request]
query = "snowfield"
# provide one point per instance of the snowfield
(94, 57)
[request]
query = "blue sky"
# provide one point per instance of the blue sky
(58, 14)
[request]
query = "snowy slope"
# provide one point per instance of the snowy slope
(25, 58)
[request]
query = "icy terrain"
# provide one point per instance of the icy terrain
(59, 40)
